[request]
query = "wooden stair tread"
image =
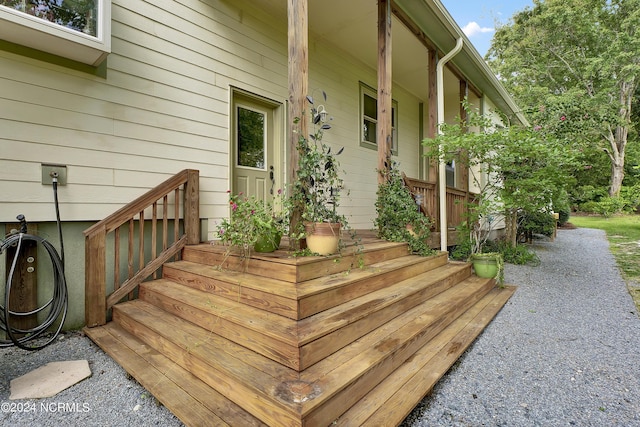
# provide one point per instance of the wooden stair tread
(188, 398)
(269, 334)
(267, 323)
(345, 376)
(331, 330)
(299, 341)
(395, 397)
(265, 284)
(241, 375)
(311, 328)
(299, 300)
(300, 344)
(295, 269)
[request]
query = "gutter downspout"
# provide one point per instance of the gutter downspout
(442, 173)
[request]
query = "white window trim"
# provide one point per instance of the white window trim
(26, 30)
(365, 89)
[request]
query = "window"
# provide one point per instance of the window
(369, 120)
(450, 173)
(75, 29)
(251, 138)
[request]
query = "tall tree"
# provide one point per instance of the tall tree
(575, 66)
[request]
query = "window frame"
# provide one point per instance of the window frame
(366, 90)
(26, 30)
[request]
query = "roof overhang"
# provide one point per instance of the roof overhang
(439, 26)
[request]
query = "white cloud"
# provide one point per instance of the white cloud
(472, 28)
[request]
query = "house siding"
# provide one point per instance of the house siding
(164, 106)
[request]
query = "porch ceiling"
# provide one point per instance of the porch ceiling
(352, 27)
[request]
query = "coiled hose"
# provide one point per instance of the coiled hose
(54, 309)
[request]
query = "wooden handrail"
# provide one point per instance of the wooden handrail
(457, 201)
(97, 302)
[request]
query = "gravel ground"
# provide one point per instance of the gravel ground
(563, 351)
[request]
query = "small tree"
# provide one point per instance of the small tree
(517, 169)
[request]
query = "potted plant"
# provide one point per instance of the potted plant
(318, 187)
(398, 216)
(482, 217)
(254, 224)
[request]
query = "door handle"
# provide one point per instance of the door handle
(272, 178)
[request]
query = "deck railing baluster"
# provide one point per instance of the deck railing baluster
(97, 302)
(154, 234)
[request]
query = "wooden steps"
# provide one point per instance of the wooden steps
(350, 346)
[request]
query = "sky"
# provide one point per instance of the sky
(478, 18)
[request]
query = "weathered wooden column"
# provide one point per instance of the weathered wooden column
(298, 77)
(432, 130)
(464, 161)
(384, 129)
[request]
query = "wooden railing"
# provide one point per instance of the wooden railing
(457, 201)
(149, 261)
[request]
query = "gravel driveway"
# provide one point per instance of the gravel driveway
(564, 351)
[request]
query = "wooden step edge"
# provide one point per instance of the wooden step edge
(283, 266)
(316, 296)
(337, 280)
(282, 256)
(395, 397)
(280, 298)
(302, 300)
(373, 314)
(243, 376)
(270, 335)
(188, 409)
(421, 287)
(269, 324)
(347, 375)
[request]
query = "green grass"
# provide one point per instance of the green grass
(623, 233)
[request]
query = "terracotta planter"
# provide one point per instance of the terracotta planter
(323, 238)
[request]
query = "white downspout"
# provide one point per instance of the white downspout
(442, 171)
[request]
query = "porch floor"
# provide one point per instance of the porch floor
(283, 341)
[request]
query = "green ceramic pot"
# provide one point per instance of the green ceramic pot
(485, 267)
(268, 242)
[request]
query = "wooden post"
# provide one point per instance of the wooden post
(433, 111)
(192, 207)
(384, 130)
(95, 280)
(24, 286)
(464, 162)
(298, 76)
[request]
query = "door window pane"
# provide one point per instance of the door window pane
(251, 138)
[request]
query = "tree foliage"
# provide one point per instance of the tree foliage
(518, 169)
(574, 65)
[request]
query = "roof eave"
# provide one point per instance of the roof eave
(434, 20)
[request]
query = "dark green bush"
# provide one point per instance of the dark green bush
(607, 206)
(530, 223)
(396, 209)
(519, 255)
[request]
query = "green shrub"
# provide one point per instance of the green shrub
(519, 255)
(396, 209)
(530, 223)
(607, 206)
(564, 215)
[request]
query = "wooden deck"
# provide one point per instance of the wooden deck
(311, 341)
